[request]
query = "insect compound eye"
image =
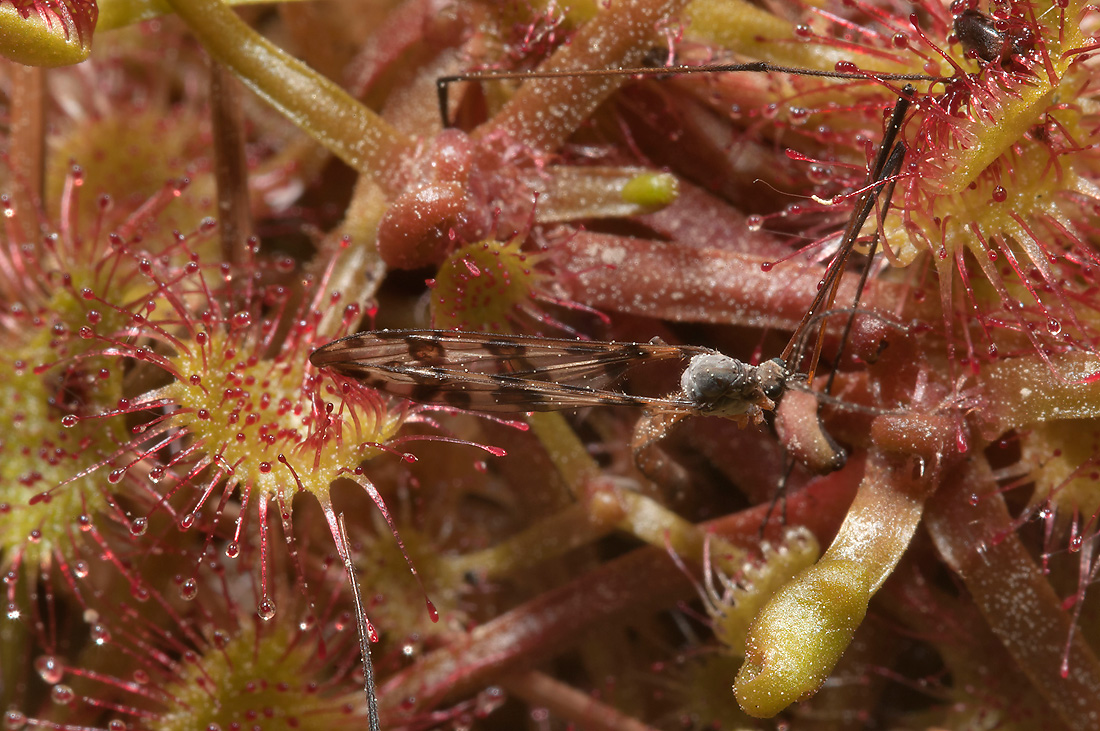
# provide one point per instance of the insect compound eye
(713, 381)
(772, 377)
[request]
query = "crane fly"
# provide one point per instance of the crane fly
(519, 373)
(489, 372)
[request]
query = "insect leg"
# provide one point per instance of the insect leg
(650, 459)
(893, 165)
(889, 155)
(442, 84)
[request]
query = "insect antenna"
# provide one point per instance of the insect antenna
(893, 166)
(881, 176)
(442, 84)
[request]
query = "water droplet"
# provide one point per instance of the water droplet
(1000, 195)
(49, 668)
(489, 700)
(189, 589)
(62, 694)
(139, 526)
(80, 569)
(1054, 326)
(819, 174)
(240, 320)
(115, 476)
(187, 521)
(116, 724)
(232, 549)
(798, 115)
(754, 222)
(432, 611)
(266, 610)
(100, 634)
(974, 499)
(14, 721)
(70, 420)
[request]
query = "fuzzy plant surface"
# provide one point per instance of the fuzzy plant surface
(201, 529)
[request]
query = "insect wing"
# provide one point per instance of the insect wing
(491, 372)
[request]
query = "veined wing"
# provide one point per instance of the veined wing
(490, 372)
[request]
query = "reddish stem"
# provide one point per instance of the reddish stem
(564, 701)
(27, 148)
(643, 581)
(977, 539)
(231, 168)
(711, 285)
(545, 112)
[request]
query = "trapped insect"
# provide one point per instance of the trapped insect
(515, 373)
(492, 372)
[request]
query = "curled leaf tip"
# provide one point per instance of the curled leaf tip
(651, 190)
(798, 637)
(47, 32)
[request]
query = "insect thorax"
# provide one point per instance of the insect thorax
(723, 386)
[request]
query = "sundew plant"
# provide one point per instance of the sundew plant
(199, 529)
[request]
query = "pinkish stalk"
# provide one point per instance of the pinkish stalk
(27, 146)
(630, 275)
(545, 112)
(314, 104)
(230, 166)
(973, 531)
(643, 581)
(542, 691)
